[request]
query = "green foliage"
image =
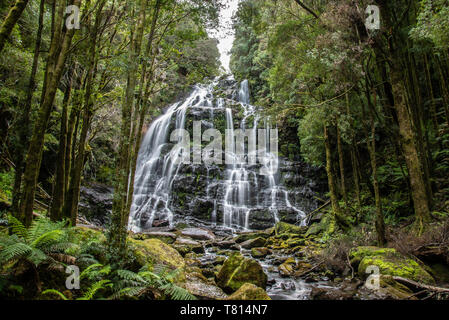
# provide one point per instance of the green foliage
(134, 285)
(6, 183)
(433, 23)
(44, 242)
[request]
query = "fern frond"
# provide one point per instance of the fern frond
(17, 227)
(99, 285)
(176, 292)
(47, 239)
(14, 252)
(130, 276)
(89, 270)
(55, 292)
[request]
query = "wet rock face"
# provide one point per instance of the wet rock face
(218, 193)
(96, 204)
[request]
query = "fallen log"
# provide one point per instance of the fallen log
(418, 285)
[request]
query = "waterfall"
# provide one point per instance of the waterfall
(245, 187)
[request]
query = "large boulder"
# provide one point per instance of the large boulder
(260, 252)
(156, 252)
(185, 246)
(166, 237)
(238, 270)
(245, 236)
(389, 262)
(283, 227)
(202, 288)
(253, 243)
(249, 292)
(287, 268)
(198, 234)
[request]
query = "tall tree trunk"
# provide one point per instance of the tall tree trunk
(336, 209)
(411, 155)
(59, 187)
(10, 21)
(354, 162)
(342, 167)
(433, 110)
(57, 58)
(71, 205)
(25, 116)
(118, 224)
(143, 97)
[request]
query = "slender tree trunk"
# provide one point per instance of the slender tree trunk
(118, 220)
(57, 58)
(143, 95)
(71, 205)
(25, 117)
(444, 89)
(432, 97)
(411, 155)
(10, 21)
(342, 167)
(354, 163)
(59, 187)
(336, 209)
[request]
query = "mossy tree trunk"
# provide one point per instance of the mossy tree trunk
(25, 115)
(142, 104)
(10, 21)
(59, 186)
(117, 232)
(59, 50)
(71, 205)
(336, 209)
(342, 167)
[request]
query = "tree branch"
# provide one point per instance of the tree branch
(300, 3)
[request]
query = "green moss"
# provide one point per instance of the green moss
(249, 291)
(394, 289)
(357, 254)
(389, 262)
(282, 227)
(154, 251)
(83, 234)
(237, 270)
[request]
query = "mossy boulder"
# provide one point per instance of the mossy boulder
(238, 270)
(287, 268)
(202, 288)
(389, 262)
(251, 235)
(154, 251)
(260, 252)
(292, 243)
(315, 229)
(283, 227)
(249, 292)
(253, 243)
(166, 237)
(185, 246)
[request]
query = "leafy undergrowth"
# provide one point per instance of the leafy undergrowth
(34, 262)
(431, 247)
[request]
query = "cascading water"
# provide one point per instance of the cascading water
(240, 192)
